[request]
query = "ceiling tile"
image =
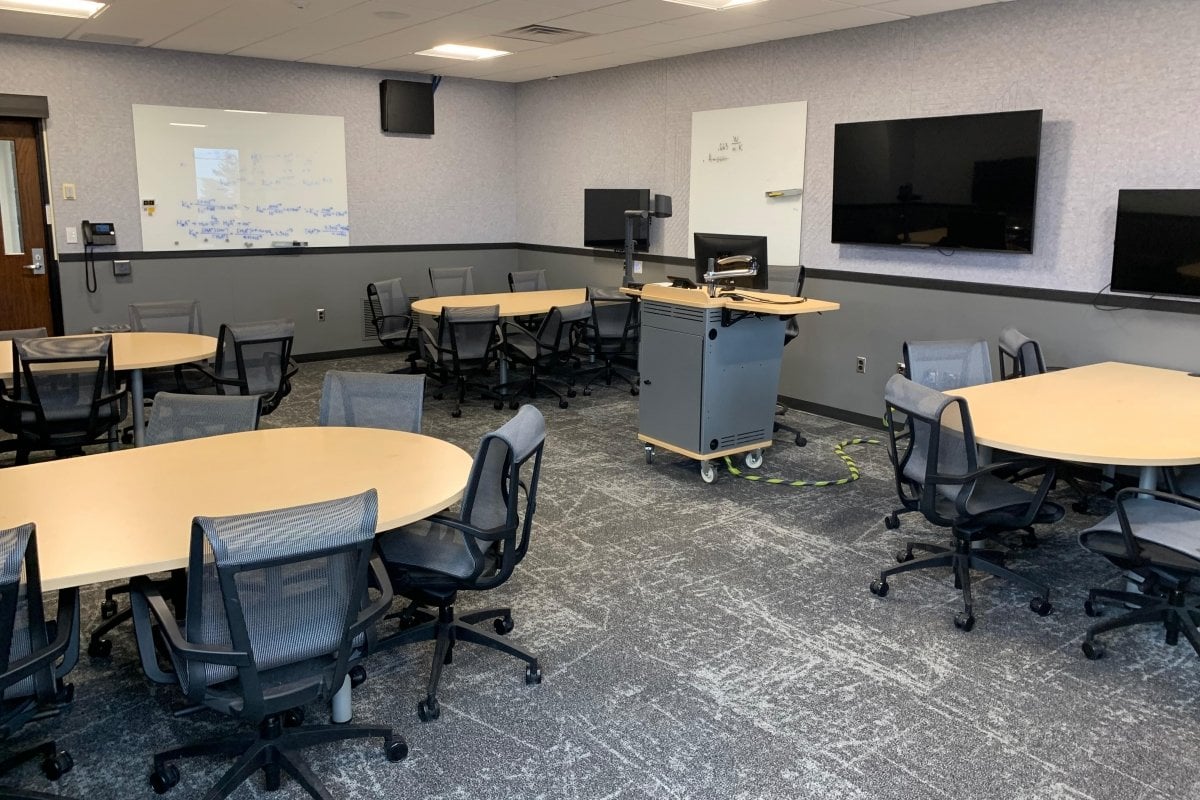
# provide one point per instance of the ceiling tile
(149, 21)
(353, 25)
(652, 10)
(20, 23)
(595, 22)
(917, 7)
(851, 18)
(244, 23)
(459, 28)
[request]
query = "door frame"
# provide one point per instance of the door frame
(36, 108)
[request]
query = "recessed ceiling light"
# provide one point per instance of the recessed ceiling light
(80, 9)
(716, 5)
(463, 52)
(187, 125)
(244, 111)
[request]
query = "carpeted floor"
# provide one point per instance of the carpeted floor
(713, 642)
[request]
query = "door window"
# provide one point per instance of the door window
(10, 209)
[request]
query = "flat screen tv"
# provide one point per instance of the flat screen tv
(604, 217)
(713, 246)
(1156, 249)
(406, 106)
(965, 181)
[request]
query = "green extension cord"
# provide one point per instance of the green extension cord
(839, 451)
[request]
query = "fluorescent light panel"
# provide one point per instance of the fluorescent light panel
(716, 5)
(463, 52)
(186, 125)
(80, 9)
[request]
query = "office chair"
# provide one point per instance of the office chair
(463, 351)
(431, 561)
(788, 281)
(177, 417)
(35, 655)
(391, 313)
(254, 358)
(611, 337)
(1157, 536)
(932, 448)
(64, 395)
(22, 333)
(277, 606)
(943, 365)
(371, 400)
(530, 280)
(1020, 356)
(171, 316)
(546, 353)
(451, 281)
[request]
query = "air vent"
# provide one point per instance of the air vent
(104, 38)
(546, 34)
(741, 439)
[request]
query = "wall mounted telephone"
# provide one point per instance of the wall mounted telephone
(98, 233)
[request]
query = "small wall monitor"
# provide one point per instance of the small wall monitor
(1156, 249)
(604, 217)
(713, 246)
(406, 106)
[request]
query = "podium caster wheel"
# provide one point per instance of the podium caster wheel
(754, 459)
(708, 473)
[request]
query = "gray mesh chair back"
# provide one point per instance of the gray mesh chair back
(949, 363)
(529, 280)
(563, 327)
(169, 316)
(371, 400)
(614, 318)
(391, 312)
(788, 281)
(469, 333)
(256, 358)
(22, 333)
(1019, 355)
(65, 392)
(21, 611)
(451, 281)
(178, 417)
(463, 350)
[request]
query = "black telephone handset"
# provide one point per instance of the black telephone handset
(98, 233)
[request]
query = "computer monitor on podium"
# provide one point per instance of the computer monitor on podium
(714, 246)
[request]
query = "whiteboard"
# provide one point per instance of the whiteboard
(738, 155)
(215, 179)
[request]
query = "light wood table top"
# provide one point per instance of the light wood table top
(1109, 413)
(142, 350)
(780, 304)
(512, 304)
(116, 515)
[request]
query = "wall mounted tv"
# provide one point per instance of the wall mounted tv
(406, 106)
(965, 182)
(604, 217)
(1156, 249)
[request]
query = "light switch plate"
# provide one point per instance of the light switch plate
(72, 235)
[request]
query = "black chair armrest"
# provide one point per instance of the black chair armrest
(43, 657)
(211, 653)
(368, 616)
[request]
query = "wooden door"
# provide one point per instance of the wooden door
(24, 291)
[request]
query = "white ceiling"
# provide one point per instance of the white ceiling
(384, 34)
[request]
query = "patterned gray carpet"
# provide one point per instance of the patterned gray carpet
(714, 642)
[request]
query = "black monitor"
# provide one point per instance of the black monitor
(406, 106)
(604, 217)
(719, 245)
(1156, 249)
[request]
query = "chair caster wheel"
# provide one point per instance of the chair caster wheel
(503, 625)
(649, 455)
(891, 522)
(879, 588)
(396, 749)
(64, 694)
(635, 391)
(108, 609)
(293, 717)
(428, 710)
(512, 406)
(801, 441)
(438, 396)
(1093, 650)
(1029, 540)
(562, 404)
(904, 556)
(1040, 606)
(456, 413)
(100, 648)
(498, 405)
(533, 675)
(163, 778)
(1092, 609)
(964, 621)
(571, 393)
(358, 676)
(57, 765)
(587, 392)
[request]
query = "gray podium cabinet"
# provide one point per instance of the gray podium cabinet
(709, 380)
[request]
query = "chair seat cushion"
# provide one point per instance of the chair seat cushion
(427, 545)
(1168, 533)
(993, 494)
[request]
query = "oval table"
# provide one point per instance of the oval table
(512, 304)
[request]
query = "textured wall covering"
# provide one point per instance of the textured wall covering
(456, 186)
(1118, 81)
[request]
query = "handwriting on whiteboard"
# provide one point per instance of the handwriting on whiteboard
(724, 150)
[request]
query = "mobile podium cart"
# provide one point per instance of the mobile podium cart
(709, 371)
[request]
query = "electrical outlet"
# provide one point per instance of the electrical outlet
(860, 364)
(320, 315)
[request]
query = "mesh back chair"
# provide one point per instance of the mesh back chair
(451, 281)
(1020, 356)
(477, 549)
(611, 337)
(391, 313)
(547, 354)
(1157, 536)
(788, 281)
(176, 418)
(371, 400)
(463, 351)
(277, 606)
(255, 358)
(932, 448)
(171, 316)
(530, 280)
(35, 654)
(64, 395)
(22, 333)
